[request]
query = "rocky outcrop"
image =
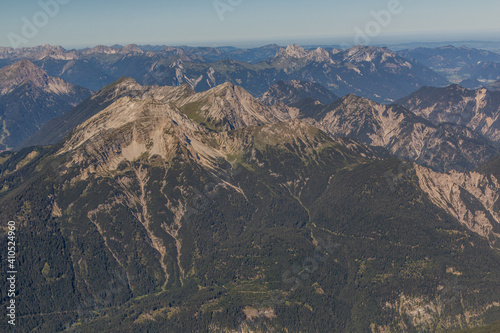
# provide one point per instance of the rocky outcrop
(478, 109)
(472, 198)
(444, 147)
(25, 71)
(230, 107)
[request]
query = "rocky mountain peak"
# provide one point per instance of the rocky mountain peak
(25, 71)
(229, 92)
(127, 129)
(362, 53)
(120, 87)
(319, 55)
(354, 99)
(49, 47)
(292, 51)
(25, 65)
(228, 107)
(126, 82)
(101, 49)
(131, 48)
(478, 109)
(128, 87)
(225, 86)
(456, 87)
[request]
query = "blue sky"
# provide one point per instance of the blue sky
(244, 22)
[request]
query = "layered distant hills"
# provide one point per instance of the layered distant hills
(470, 67)
(371, 72)
(450, 57)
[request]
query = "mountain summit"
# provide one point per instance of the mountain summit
(29, 98)
(229, 107)
(293, 51)
(26, 72)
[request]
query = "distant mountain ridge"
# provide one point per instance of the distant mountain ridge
(375, 73)
(449, 57)
(471, 68)
(368, 71)
(478, 109)
(294, 91)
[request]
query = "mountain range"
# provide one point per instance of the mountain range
(442, 147)
(478, 109)
(167, 209)
(275, 189)
(394, 129)
(372, 72)
(471, 68)
(449, 57)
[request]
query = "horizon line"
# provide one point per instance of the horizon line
(261, 43)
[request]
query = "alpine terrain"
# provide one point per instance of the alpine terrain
(163, 209)
(29, 98)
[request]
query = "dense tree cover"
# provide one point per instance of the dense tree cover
(316, 240)
(494, 327)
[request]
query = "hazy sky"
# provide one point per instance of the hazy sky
(238, 22)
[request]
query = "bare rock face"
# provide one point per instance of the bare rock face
(130, 120)
(129, 128)
(293, 51)
(229, 107)
(478, 109)
(472, 198)
(55, 130)
(372, 72)
(444, 147)
(13, 75)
